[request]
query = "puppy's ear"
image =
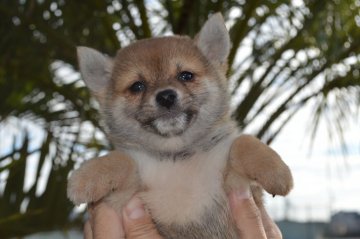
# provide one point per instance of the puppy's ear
(95, 68)
(213, 39)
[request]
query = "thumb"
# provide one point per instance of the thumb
(246, 214)
(137, 221)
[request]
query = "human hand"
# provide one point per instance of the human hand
(136, 223)
(251, 221)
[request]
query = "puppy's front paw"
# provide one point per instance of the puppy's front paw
(98, 177)
(88, 183)
(255, 160)
(276, 179)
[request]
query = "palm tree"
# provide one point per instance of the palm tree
(285, 55)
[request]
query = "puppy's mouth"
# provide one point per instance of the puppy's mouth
(170, 124)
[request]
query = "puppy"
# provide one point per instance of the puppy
(166, 107)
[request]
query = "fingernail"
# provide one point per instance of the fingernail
(242, 193)
(135, 209)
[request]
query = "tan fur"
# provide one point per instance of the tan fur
(98, 177)
(181, 160)
(254, 160)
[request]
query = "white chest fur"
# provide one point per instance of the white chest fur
(179, 191)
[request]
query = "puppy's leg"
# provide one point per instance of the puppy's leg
(256, 161)
(99, 176)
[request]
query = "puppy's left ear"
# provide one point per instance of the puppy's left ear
(213, 39)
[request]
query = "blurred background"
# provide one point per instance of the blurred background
(295, 84)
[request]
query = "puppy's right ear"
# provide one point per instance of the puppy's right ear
(95, 69)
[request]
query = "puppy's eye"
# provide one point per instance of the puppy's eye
(137, 87)
(185, 76)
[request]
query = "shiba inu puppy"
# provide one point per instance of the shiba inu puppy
(166, 107)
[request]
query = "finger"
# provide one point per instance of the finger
(87, 231)
(105, 223)
(137, 221)
(271, 229)
(246, 215)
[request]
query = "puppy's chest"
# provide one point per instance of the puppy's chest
(181, 191)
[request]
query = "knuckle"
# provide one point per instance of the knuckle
(143, 231)
(253, 212)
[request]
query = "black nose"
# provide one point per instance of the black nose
(166, 98)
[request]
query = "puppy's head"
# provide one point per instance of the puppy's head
(162, 93)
